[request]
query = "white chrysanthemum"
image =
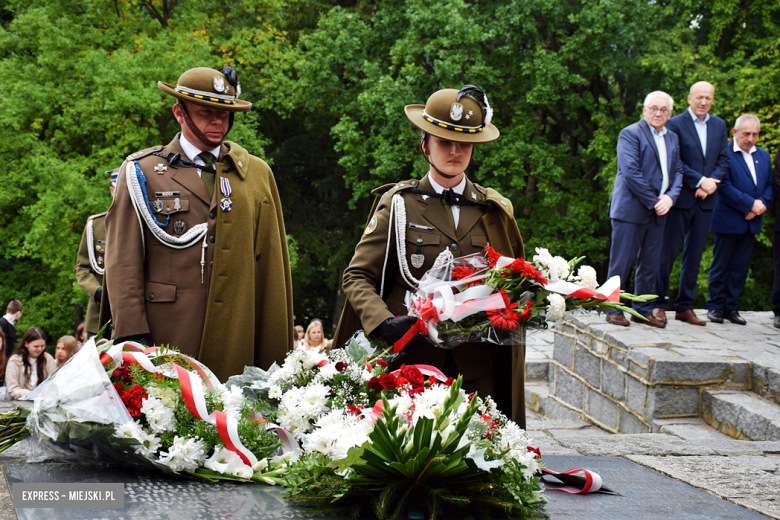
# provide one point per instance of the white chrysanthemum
(542, 257)
(365, 376)
(587, 277)
(160, 418)
(129, 430)
(167, 396)
(185, 454)
(233, 401)
(275, 392)
(312, 359)
(150, 443)
(558, 269)
(328, 371)
(557, 307)
(336, 433)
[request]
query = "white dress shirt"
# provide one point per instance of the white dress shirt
(457, 189)
(192, 151)
(748, 156)
(660, 143)
(701, 129)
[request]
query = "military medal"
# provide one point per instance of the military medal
(161, 168)
(177, 204)
(157, 206)
(100, 259)
(225, 204)
(417, 261)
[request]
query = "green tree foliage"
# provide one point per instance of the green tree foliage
(329, 81)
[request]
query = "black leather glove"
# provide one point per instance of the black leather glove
(143, 339)
(393, 329)
(98, 294)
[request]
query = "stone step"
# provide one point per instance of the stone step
(536, 395)
(742, 415)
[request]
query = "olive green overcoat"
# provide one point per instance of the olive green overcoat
(241, 313)
(88, 279)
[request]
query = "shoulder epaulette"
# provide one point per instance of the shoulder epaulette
(500, 201)
(395, 187)
(99, 215)
(143, 153)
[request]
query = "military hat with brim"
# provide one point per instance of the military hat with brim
(209, 88)
(463, 120)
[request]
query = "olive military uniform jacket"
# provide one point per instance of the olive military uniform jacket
(429, 230)
(86, 276)
(241, 312)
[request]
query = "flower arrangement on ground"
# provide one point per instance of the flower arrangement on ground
(152, 406)
(486, 297)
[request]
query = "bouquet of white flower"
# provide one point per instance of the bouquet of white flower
(142, 406)
(485, 297)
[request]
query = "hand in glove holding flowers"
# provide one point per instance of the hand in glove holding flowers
(393, 329)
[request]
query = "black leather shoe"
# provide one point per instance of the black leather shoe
(734, 317)
(777, 322)
(715, 315)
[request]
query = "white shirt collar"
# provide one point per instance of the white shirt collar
(696, 118)
(9, 318)
(192, 151)
(655, 132)
(738, 149)
(457, 189)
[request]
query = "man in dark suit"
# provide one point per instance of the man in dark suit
(703, 140)
(648, 182)
(744, 196)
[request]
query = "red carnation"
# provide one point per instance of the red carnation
(402, 381)
(388, 381)
(449, 381)
(133, 400)
(432, 380)
(527, 311)
(374, 384)
(341, 366)
(535, 450)
(413, 375)
(382, 363)
(353, 410)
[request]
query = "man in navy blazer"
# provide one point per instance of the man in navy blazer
(744, 196)
(648, 182)
(703, 140)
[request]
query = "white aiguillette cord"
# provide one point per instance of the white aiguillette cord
(91, 245)
(398, 209)
(188, 239)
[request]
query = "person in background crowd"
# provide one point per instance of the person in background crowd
(66, 347)
(648, 182)
(705, 157)
(81, 333)
(12, 313)
(315, 338)
(30, 365)
(91, 262)
(3, 358)
(744, 196)
(776, 245)
(299, 335)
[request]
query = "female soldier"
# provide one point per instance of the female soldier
(414, 222)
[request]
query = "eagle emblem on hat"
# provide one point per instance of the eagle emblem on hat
(456, 111)
(219, 84)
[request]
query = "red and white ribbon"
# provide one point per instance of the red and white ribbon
(610, 291)
(575, 486)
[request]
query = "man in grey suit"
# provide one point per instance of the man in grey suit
(648, 181)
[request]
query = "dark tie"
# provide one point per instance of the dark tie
(208, 177)
(447, 203)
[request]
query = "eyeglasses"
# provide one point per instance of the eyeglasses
(663, 111)
(230, 74)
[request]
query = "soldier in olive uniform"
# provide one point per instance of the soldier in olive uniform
(91, 260)
(198, 257)
(413, 222)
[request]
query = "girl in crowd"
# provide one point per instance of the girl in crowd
(81, 333)
(315, 338)
(66, 347)
(29, 365)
